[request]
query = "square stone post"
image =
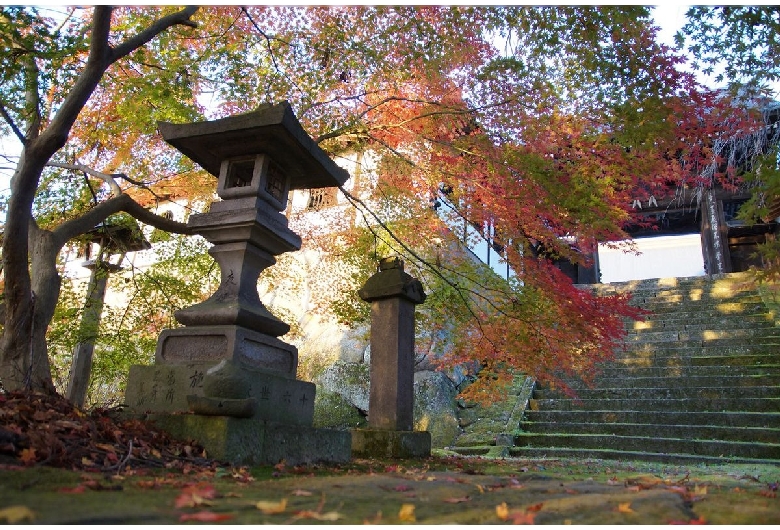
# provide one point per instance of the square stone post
(391, 399)
(393, 295)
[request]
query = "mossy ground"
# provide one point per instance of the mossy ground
(440, 489)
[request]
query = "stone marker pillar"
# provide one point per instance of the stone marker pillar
(393, 295)
(225, 379)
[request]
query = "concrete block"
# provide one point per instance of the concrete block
(371, 443)
(241, 441)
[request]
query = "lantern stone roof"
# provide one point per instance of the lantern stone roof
(272, 130)
(119, 233)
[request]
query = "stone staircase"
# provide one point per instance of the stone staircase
(699, 382)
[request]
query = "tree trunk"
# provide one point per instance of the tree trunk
(18, 366)
(46, 283)
(26, 365)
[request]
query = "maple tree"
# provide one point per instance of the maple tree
(739, 45)
(539, 143)
(42, 117)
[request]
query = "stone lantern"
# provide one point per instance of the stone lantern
(114, 240)
(227, 365)
(257, 158)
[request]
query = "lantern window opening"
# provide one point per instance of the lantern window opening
(241, 172)
(276, 182)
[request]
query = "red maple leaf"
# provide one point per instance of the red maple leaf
(205, 517)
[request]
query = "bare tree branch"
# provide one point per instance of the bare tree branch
(109, 179)
(10, 121)
(265, 36)
(32, 97)
(179, 18)
(271, 53)
(123, 203)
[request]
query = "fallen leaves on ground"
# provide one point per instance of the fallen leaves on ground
(195, 495)
(399, 488)
(700, 520)
(318, 516)
(690, 491)
(16, 514)
(75, 489)
(301, 493)
(518, 516)
(45, 429)
(205, 517)
(457, 500)
(406, 513)
(280, 507)
(272, 507)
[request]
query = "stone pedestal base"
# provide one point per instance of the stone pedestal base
(169, 388)
(232, 343)
(254, 442)
(369, 443)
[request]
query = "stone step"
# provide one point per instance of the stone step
(617, 454)
(680, 405)
(698, 322)
(674, 393)
(695, 294)
(736, 360)
(725, 307)
(762, 325)
(735, 420)
(701, 323)
(720, 288)
(620, 371)
(673, 381)
(679, 366)
(697, 379)
(699, 348)
(706, 337)
(677, 359)
(738, 281)
(723, 359)
(657, 430)
(695, 349)
(746, 345)
(714, 448)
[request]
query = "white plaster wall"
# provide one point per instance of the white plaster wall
(661, 257)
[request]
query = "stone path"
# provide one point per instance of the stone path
(439, 490)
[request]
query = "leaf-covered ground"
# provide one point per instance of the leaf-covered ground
(153, 480)
(45, 429)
